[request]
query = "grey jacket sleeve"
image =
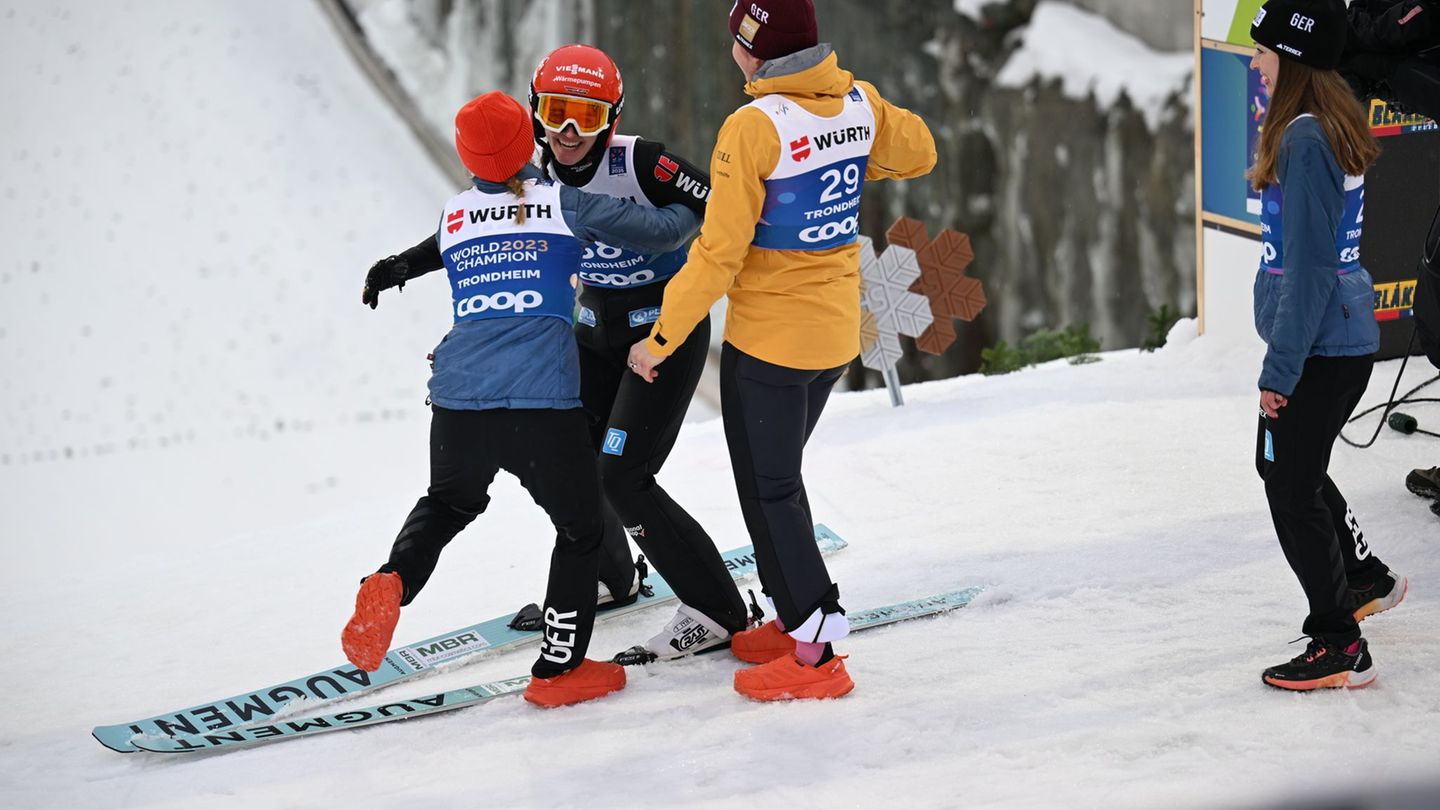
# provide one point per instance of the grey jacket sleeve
(623, 224)
(1314, 204)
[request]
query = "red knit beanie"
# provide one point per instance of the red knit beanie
(494, 137)
(770, 29)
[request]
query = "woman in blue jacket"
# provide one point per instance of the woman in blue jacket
(505, 388)
(1314, 308)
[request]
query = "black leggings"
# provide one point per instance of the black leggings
(1320, 537)
(634, 425)
(769, 413)
(549, 451)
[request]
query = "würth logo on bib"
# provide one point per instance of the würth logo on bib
(665, 169)
(799, 150)
(454, 221)
(840, 137)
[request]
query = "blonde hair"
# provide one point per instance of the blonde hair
(516, 186)
(1303, 89)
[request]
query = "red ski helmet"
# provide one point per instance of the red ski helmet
(577, 85)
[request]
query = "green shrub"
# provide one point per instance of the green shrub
(1001, 359)
(1073, 342)
(1161, 321)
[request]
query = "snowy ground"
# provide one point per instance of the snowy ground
(1136, 592)
(261, 438)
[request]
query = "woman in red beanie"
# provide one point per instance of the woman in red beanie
(505, 387)
(576, 96)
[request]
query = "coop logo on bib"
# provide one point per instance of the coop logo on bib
(830, 231)
(516, 302)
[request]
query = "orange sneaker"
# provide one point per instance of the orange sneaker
(590, 680)
(762, 644)
(789, 678)
(366, 637)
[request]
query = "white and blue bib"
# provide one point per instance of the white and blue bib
(812, 197)
(499, 269)
(1347, 238)
(603, 265)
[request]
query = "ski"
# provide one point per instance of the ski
(480, 693)
(400, 664)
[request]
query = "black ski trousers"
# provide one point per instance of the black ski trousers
(634, 425)
(769, 413)
(1320, 537)
(549, 451)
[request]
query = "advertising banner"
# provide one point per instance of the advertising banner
(1402, 192)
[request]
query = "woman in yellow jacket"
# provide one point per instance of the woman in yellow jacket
(780, 239)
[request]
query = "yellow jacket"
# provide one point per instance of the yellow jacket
(794, 308)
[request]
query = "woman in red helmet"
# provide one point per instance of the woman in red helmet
(634, 425)
(505, 387)
(576, 96)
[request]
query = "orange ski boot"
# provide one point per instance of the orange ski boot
(590, 680)
(366, 637)
(789, 678)
(762, 644)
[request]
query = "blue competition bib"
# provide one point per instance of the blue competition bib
(1347, 238)
(611, 267)
(813, 211)
(501, 269)
(510, 276)
(603, 265)
(812, 196)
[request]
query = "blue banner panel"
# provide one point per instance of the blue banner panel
(1227, 130)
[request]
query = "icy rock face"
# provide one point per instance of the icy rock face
(446, 52)
(1079, 210)
(1167, 26)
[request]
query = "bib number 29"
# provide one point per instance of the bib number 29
(833, 179)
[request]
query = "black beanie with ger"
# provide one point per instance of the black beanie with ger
(1312, 32)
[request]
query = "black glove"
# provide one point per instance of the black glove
(390, 271)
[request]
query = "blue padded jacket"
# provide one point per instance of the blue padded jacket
(1312, 295)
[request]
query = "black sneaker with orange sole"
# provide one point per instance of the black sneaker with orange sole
(1378, 596)
(1324, 665)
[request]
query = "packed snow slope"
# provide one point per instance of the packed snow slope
(261, 437)
(189, 200)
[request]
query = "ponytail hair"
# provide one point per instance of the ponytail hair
(516, 186)
(1303, 89)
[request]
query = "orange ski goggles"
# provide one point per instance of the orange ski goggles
(590, 117)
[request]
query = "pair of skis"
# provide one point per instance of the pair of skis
(400, 664)
(256, 717)
(474, 695)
